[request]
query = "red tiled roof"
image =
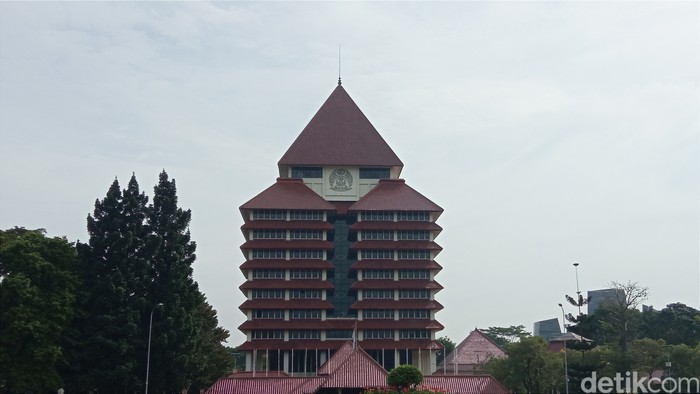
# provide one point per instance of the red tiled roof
(353, 369)
(396, 284)
(339, 134)
(297, 344)
(378, 324)
(288, 193)
(400, 304)
(284, 244)
(285, 304)
(286, 264)
(372, 225)
(397, 264)
(466, 384)
(476, 348)
(394, 195)
(295, 324)
(284, 225)
(396, 245)
(425, 344)
(286, 284)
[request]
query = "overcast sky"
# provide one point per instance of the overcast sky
(550, 133)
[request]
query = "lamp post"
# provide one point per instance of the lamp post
(148, 357)
(578, 292)
(566, 366)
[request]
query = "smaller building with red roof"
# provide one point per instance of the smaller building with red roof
(471, 354)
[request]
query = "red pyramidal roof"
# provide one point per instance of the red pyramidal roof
(394, 195)
(288, 193)
(339, 134)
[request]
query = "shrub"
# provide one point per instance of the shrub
(405, 376)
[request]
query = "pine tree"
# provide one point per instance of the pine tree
(174, 327)
(106, 344)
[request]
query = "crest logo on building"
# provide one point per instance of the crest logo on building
(340, 180)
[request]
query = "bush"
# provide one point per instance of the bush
(405, 376)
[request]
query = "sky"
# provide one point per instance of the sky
(550, 132)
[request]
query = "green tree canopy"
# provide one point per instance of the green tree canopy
(405, 376)
(37, 294)
(505, 335)
(529, 367)
(448, 347)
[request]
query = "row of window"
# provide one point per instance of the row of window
(316, 314)
(400, 216)
(293, 274)
(403, 235)
(317, 172)
(293, 294)
(282, 234)
(282, 254)
(389, 274)
(389, 254)
(370, 294)
(382, 216)
(367, 294)
(278, 214)
(340, 334)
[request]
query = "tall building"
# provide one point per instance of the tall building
(339, 248)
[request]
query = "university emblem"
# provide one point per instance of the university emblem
(340, 180)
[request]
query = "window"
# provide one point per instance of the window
(268, 274)
(376, 234)
(414, 314)
(378, 334)
(268, 293)
(414, 274)
(413, 216)
(338, 334)
(414, 235)
(307, 172)
(269, 214)
(378, 216)
(305, 274)
(305, 314)
(306, 234)
(306, 215)
(304, 334)
(377, 294)
(414, 294)
(377, 274)
(405, 334)
(268, 314)
(269, 234)
(374, 173)
(414, 255)
(306, 254)
(267, 334)
(378, 254)
(378, 313)
(268, 253)
(305, 293)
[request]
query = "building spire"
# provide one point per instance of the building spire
(339, 82)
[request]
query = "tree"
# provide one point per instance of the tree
(404, 376)
(447, 347)
(37, 294)
(505, 335)
(106, 344)
(676, 324)
(529, 367)
(187, 343)
(624, 316)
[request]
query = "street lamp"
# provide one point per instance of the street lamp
(578, 292)
(566, 366)
(148, 358)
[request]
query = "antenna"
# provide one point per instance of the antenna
(339, 82)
